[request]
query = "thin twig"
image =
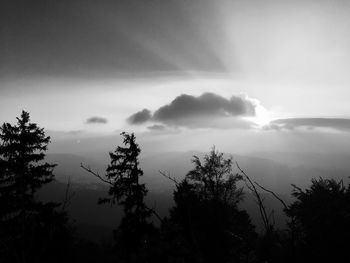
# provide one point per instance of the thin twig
(293, 227)
(88, 169)
(274, 194)
(259, 199)
(68, 197)
(169, 177)
(95, 174)
(153, 211)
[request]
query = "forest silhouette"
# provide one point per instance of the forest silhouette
(205, 224)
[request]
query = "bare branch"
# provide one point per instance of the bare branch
(262, 209)
(272, 215)
(274, 194)
(169, 177)
(154, 212)
(88, 169)
(96, 174)
(298, 188)
(68, 196)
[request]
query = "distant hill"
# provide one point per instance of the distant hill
(68, 167)
(277, 175)
(274, 171)
(328, 161)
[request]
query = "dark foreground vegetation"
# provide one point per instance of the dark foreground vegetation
(206, 223)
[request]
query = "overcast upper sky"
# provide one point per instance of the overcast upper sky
(178, 68)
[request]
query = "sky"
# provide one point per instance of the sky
(255, 75)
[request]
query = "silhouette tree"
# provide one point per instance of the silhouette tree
(28, 227)
(134, 233)
(22, 148)
(322, 221)
(214, 179)
(206, 211)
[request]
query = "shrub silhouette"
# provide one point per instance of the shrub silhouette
(212, 227)
(322, 217)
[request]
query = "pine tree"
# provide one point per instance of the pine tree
(30, 230)
(22, 151)
(123, 175)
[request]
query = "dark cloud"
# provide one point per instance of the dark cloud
(140, 117)
(208, 110)
(54, 133)
(207, 105)
(310, 123)
(74, 132)
(156, 127)
(97, 120)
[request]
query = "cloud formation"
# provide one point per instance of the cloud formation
(140, 117)
(156, 127)
(208, 110)
(292, 123)
(206, 105)
(96, 120)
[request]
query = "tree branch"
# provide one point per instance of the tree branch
(259, 199)
(274, 194)
(88, 169)
(169, 177)
(154, 212)
(68, 197)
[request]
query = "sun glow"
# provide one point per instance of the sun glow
(262, 117)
